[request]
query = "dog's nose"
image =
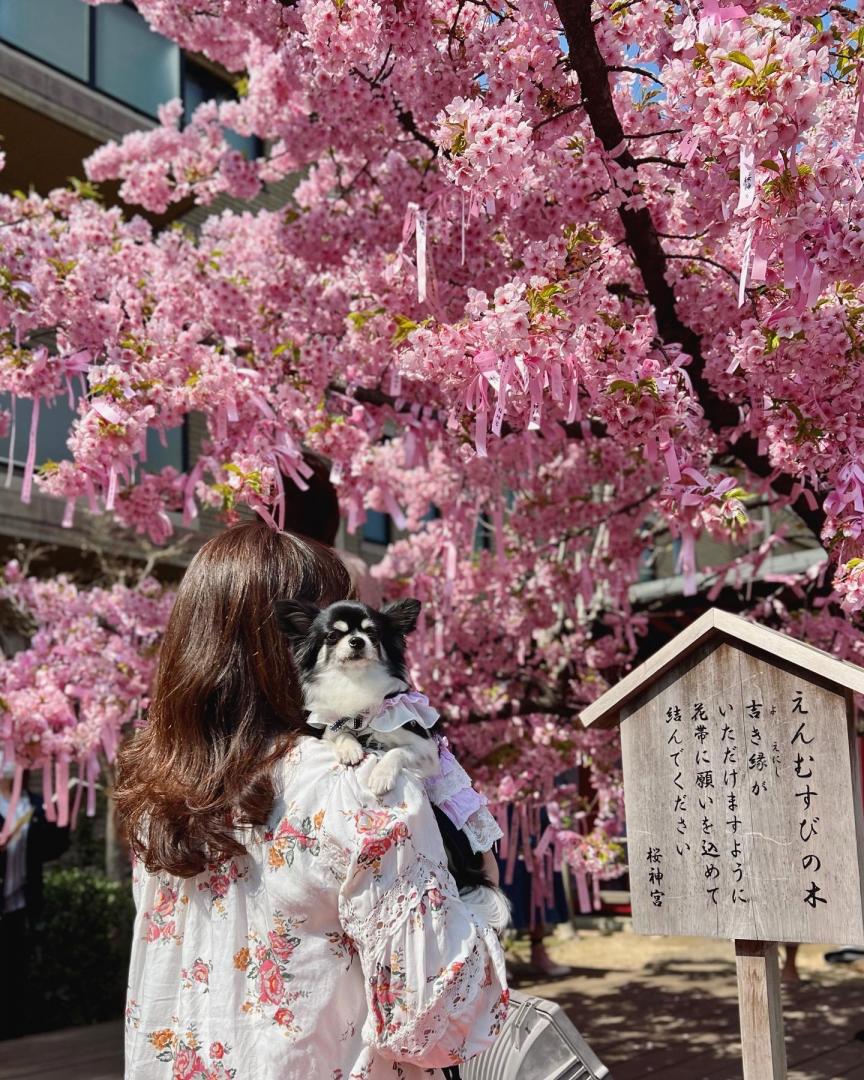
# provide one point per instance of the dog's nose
(357, 643)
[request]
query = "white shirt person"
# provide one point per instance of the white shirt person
(336, 948)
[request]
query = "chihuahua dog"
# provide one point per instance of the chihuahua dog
(351, 662)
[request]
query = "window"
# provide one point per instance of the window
(55, 422)
(199, 85)
(57, 31)
(131, 62)
(172, 453)
(111, 48)
(376, 528)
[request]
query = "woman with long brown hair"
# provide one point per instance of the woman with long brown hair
(290, 924)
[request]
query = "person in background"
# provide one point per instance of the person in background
(524, 916)
(32, 841)
(315, 513)
(789, 971)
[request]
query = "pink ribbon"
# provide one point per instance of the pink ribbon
(535, 384)
(574, 410)
(10, 465)
(107, 411)
(190, 508)
(687, 562)
(790, 263)
(27, 485)
(92, 773)
(262, 511)
(761, 252)
(394, 510)
(582, 895)
(510, 865)
(63, 791)
(672, 467)
(439, 639)
(280, 497)
(507, 369)
(47, 791)
(79, 791)
(111, 497)
(546, 841)
(745, 267)
(712, 9)
(687, 147)
(462, 235)
(356, 514)
(498, 524)
(477, 400)
(420, 232)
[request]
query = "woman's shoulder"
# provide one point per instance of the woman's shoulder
(310, 772)
(314, 780)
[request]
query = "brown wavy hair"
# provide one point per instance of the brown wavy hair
(226, 701)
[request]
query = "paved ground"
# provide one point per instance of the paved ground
(667, 1007)
(650, 1007)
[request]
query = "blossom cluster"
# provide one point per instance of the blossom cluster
(83, 677)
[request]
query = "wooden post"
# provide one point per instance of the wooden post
(763, 1048)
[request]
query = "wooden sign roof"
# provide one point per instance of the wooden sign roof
(606, 710)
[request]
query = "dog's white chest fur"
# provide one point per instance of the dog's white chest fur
(344, 692)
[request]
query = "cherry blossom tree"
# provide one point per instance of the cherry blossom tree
(84, 678)
(571, 274)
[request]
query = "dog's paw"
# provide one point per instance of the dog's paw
(383, 778)
(348, 751)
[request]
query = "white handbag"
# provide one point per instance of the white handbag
(537, 1042)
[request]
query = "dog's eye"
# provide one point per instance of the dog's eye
(333, 637)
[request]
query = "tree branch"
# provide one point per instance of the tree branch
(635, 71)
(703, 259)
(557, 116)
(653, 134)
(658, 160)
(591, 69)
(406, 119)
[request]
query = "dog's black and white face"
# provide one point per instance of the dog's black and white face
(349, 655)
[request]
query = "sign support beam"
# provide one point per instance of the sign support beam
(763, 1048)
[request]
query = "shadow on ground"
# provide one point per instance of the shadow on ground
(678, 1018)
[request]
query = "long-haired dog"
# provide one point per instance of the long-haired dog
(351, 663)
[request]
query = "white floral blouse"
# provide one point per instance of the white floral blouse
(337, 949)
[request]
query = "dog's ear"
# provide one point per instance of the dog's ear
(295, 617)
(403, 615)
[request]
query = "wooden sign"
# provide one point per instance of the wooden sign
(743, 803)
(741, 808)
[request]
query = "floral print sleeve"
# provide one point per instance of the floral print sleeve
(435, 981)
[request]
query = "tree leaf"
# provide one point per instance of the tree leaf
(738, 57)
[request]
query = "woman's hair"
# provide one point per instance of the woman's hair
(226, 702)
